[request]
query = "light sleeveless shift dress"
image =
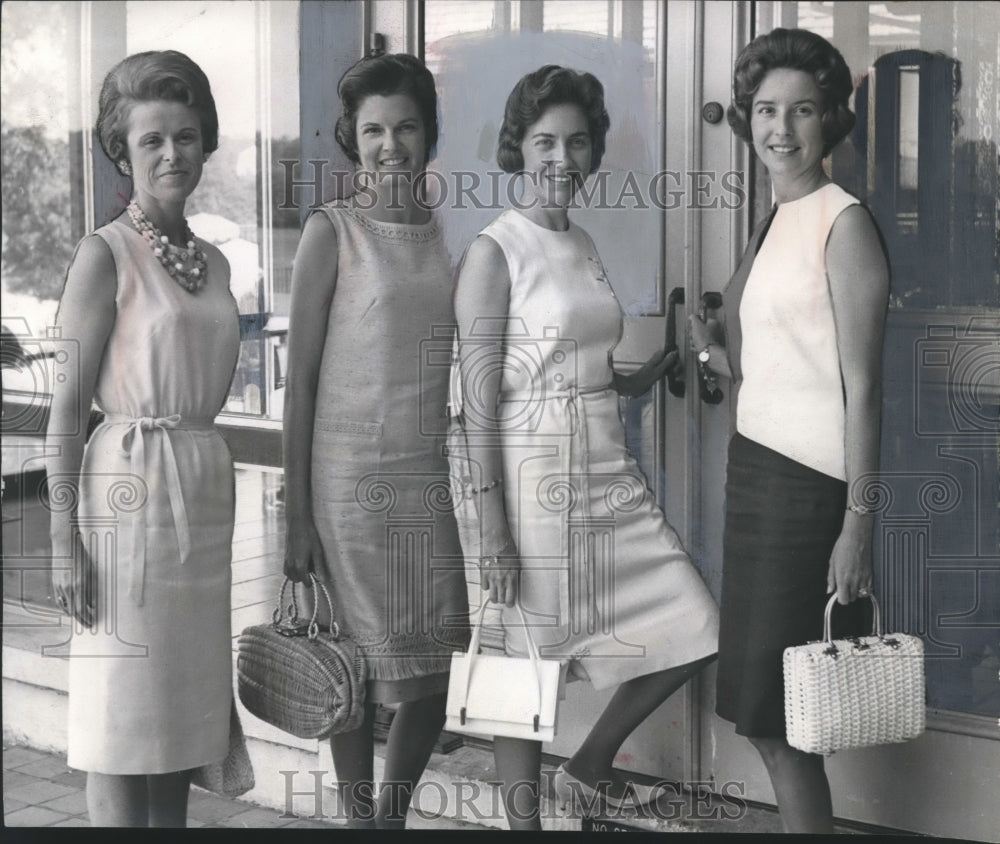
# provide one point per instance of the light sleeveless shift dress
(150, 689)
(605, 581)
(381, 498)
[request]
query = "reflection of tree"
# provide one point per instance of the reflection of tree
(221, 189)
(37, 226)
(229, 187)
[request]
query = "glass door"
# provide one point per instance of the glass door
(923, 157)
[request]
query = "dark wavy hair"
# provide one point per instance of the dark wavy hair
(534, 93)
(396, 73)
(795, 49)
(145, 77)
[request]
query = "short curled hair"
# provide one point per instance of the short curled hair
(794, 49)
(395, 73)
(145, 77)
(534, 93)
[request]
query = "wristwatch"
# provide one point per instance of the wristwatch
(705, 354)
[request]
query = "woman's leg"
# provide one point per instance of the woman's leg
(168, 798)
(415, 727)
(117, 799)
(353, 757)
(800, 786)
(632, 703)
(519, 767)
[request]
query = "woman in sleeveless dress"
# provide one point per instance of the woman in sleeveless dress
(142, 515)
(805, 315)
(367, 503)
(569, 527)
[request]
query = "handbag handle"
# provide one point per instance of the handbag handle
(533, 655)
(293, 608)
(876, 618)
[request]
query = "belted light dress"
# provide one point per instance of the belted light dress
(605, 580)
(150, 689)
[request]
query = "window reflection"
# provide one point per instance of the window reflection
(43, 205)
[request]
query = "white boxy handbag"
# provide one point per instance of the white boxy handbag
(854, 692)
(517, 697)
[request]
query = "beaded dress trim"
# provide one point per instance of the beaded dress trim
(410, 232)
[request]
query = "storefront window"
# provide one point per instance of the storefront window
(42, 173)
(249, 51)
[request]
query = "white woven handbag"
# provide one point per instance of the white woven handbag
(854, 692)
(502, 695)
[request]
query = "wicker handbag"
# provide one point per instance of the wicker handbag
(854, 692)
(305, 680)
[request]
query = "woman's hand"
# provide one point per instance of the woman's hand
(638, 382)
(850, 574)
(705, 333)
(75, 587)
(500, 575)
(303, 551)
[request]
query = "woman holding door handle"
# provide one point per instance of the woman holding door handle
(569, 528)
(805, 316)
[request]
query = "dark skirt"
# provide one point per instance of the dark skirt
(782, 520)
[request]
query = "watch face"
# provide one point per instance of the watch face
(704, 355)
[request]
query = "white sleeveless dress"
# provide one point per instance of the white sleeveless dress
(150, 690)
(605, 580)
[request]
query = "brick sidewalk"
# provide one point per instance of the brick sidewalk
(40, 791)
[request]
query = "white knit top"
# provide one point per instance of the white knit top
(792, 396)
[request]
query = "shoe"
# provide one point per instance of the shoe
(570, 790)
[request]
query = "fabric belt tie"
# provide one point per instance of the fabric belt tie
(571, 400)
(133, 445)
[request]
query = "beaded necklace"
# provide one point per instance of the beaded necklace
(186, 265)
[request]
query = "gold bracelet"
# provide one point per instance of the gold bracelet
(860, 510)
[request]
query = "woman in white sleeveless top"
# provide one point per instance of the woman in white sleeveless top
(570, 529)
(143, 563)
(805, 314)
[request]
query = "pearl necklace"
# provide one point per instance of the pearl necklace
(186, 266)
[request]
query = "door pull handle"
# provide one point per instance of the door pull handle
(708, 387)
(675, 376)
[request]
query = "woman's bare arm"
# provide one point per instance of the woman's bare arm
(85, 318)
(482, 298)
(314, 280)
(859, 287)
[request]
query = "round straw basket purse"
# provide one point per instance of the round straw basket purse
(854, 692)
(306, 680)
